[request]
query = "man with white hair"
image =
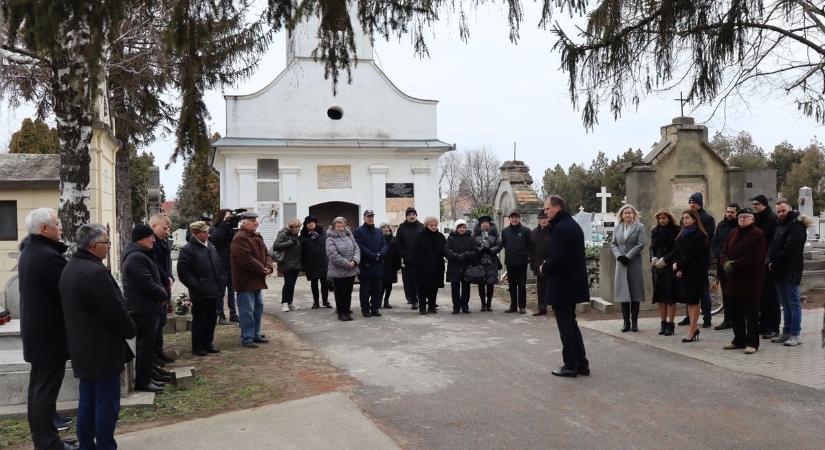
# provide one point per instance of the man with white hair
(162, 254)
(41, 323)
(251, 265)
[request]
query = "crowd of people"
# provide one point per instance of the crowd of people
(759, 259)
(75, 310)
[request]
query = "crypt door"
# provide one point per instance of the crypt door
(327, 211)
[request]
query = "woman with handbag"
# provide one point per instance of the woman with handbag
(460, 253)
(689, 261)
(629, 283)
(343, 255)
(287, 254)
(487, 245)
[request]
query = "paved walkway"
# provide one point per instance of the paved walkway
(328, 421)
(482, 381)
(803, 364)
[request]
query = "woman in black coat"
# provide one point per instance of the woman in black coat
(429, 264)
(487, 245)
(689, 261)
(392, 262)
(314, 260)
(662, 241)
(460, 253)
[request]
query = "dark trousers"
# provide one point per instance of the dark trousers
(370, 294)
(159, 325)
(571, 337)
(461, 295)
(145, 326)
(427, 299)
(387, 290)
(45, 380)
(288, 291)
(541, 284)
(321, 291)
(342, 288)
(744, 319)
(230, 295)
(97, 413)
(410, 291)
(204, 319)
(485, 293)
(770, 315)
(517, 284)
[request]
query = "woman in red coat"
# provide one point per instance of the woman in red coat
(743, 261)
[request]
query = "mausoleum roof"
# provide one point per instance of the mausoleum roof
(335, 143)
(29, 171)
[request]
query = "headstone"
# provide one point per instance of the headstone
(179, 237)
(604, 195)
(13, 297)
(585, 221)
(806, 206)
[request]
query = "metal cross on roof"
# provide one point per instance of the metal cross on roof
(682, 102)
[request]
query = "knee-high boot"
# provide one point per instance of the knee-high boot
(626, 317)
(634, 316)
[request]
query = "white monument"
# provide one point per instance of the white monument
(585, 221)
(295, 148)
(806, 206)
(604, 221)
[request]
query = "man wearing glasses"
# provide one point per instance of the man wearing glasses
(97, 327)
(144, 290)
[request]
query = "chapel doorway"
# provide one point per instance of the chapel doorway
(327, 211)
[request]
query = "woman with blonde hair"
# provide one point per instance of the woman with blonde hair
(343, 256)
(662, 241)
(629, 284)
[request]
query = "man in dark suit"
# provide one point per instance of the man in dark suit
(41, 326)
(97, 327)
(566, 271)
(162, 254)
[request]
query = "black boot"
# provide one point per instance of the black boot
(626, 317)
(671, 328)
(634, 316)
(663, 328)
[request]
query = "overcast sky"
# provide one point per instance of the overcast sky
(493, 93)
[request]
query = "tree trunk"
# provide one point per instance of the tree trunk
(74, 111)
(123, 194)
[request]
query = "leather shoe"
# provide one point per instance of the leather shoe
(366, 313)
(161, 377)
(565, 372)
(376, 313)
(250, 345)
(706, 323)
(511, 310)
(541, 312)
(260, 340)
(157, 369)
(683, 322)
(158, 382)
(151, 387)
(200, 352)
(212, 349)
(722, 326)
(583, 372)
(164, 357)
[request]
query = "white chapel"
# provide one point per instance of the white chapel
(294, 149)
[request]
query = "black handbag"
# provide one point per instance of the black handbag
(475, 274)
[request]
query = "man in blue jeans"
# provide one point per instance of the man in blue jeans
(251, 265)
(785, 262)
(97, 326)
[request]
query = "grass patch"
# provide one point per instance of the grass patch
(14, 432)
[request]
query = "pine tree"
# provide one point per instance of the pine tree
(35, 137)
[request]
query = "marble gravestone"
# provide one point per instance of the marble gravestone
(585, 221)
(806, 206)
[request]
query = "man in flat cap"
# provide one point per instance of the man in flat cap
(515, 239)
(251, 265)
(199, 269)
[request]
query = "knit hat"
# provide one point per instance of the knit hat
(411, 210)
(310, 218)
(697, 198)
(141, 231)
(459, 223)
(761, 199)
(198, 226)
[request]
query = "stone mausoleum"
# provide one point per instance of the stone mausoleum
(297, 147)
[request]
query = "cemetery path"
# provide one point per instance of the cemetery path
(483, 381)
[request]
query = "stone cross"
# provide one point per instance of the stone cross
(604, 195)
